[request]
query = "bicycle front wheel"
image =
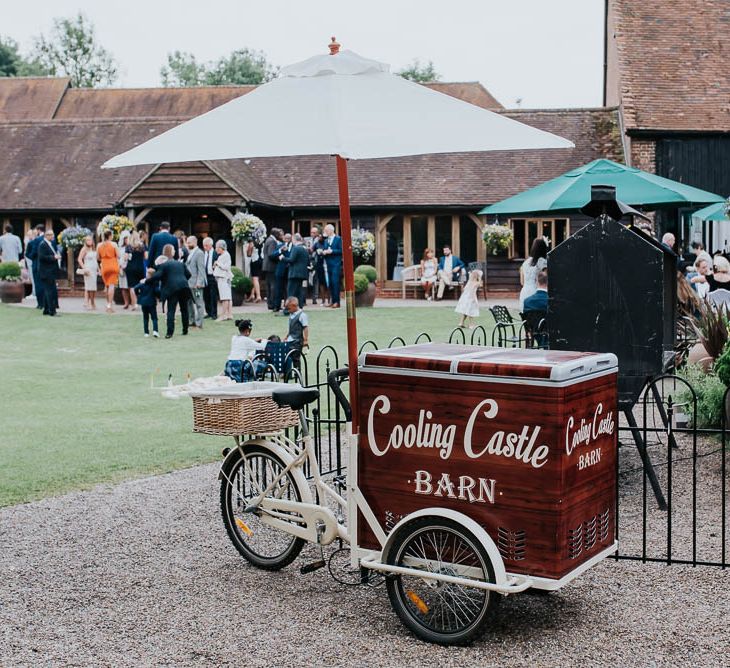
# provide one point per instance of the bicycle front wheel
(441, 612)
(260, 543)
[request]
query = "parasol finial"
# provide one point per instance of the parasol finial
(334, 46)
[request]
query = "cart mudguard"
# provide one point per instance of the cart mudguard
(285, 456)
(500, 576)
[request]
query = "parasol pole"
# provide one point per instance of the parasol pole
(349, 269)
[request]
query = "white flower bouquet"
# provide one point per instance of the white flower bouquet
(246, 227)
(497, 238)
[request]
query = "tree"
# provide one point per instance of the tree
(420, 73)
(72, 50)
(12, 64)
(243, 66)
(182, 70)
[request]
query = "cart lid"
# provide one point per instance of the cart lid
(460, 359)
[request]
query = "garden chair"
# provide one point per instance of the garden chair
(535, 329)
(506, 329)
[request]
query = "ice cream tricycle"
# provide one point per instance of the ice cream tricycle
(477, 472)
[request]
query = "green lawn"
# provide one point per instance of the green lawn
(78, 408)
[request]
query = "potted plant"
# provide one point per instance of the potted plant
(246, 227)
(365, 289)
(12, 289)
(241, 286)
(71, 240)
(497, 238)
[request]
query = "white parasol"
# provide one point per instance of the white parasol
(347, 106)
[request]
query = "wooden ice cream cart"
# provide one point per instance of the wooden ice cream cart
(476, 472)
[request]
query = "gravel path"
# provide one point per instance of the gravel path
(142, 573)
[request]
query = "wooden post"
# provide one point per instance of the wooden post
(70, 268)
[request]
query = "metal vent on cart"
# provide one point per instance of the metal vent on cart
(586, 534)
(511, 544)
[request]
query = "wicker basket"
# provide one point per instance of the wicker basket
(249, 410)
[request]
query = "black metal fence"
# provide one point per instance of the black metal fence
(672, 475)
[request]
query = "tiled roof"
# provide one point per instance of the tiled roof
(30, 98)
(673, 61)
(56, 166)
(469, 91)
(468, 179)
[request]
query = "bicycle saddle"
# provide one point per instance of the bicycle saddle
(296, 396)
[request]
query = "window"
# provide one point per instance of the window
(525, 231)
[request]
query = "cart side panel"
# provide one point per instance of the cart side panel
(495, 451)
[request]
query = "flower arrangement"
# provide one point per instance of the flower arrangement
(497, 238)
(246, 227)
(73, 237)
(363, 246)
(117, 224)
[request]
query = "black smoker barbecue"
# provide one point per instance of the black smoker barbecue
(613, 288)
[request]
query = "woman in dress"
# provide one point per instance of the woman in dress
(253, 252)
(530, 269)
(123, 259)
(109, 260)
(223, 276)
(719, 279)
(468, 305)
(429, 272)
(89, 265)
(135, 270)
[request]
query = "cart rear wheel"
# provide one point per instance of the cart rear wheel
(440, 612)
(262, 545)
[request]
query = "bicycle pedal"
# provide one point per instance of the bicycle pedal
(314, 566)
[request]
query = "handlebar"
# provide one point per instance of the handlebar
(334, 378)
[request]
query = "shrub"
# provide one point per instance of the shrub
(712, 328)
(240, 281)
(710, 392)
(369, 271)
(722, 366)
(9, 271)
(361, 282)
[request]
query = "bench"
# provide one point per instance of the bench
(411, 278)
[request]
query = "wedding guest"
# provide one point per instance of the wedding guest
(223, 276)
(268, 266)
(48, 260)
(253, 252)
(29, 237)
(298, 263)
(158, 241)
(538, 300)
(107, 254)
(135, 270)
(243, 350)
(530, 269)
(210, 292)
(451, 269)
(468, 304)
(332, 254)
(197, 281)
(146, 292)
(123, 284)
(32, 255)
(298, 332)
(173, 277)
(11, 247)
(429, 272)
(182, 250)
(89, 265)
(280, 272)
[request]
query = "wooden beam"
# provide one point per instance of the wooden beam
(226, 213)
(455, 235)
(407, 254)
(431, 233)
(142, 215)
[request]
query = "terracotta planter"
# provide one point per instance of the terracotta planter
(237, 297)
(366, 298)
(698, 355)
(12, 292)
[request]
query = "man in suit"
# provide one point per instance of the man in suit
(539, 300)
(173, 276)
(210, 291)
(158, 241)
(198, 280)
(48, 260)
(298, 261)
(280, 273)
(451, 269)
(31, 254)
(332, 254)
(268, 265)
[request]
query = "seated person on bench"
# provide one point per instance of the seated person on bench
(451, 271)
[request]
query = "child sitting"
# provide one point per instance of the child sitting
(147, 299)
(240, 363)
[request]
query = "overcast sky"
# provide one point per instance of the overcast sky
(549, 53)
